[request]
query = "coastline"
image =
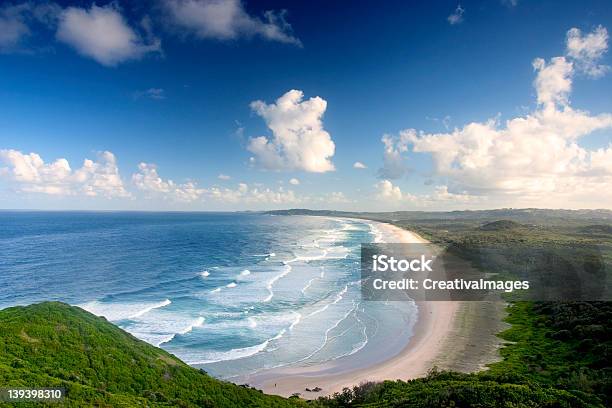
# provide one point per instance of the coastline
(443, 332)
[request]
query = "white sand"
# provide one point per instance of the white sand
(433, 327)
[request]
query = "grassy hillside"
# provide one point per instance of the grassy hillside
(52, 344)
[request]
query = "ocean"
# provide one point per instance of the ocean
(231, 293)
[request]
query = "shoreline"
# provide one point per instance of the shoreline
(440, 338)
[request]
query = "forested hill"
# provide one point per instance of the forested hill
(53, 344)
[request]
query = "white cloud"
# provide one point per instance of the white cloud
(157, 94)
(393, 196)
(337, 197)
(103, 34)
(228, 20)
(531, 159)
(587, 50)
(299, 140)
(394, 164)
(388, 192)
(324, 200)
(15, 22)
(223, 177)
(244, 194)
(457, 16)
(12, 26)
(553, 81)
(359, 165)
(148, 180)
(30, 173)
(294, 181)
(441, 193)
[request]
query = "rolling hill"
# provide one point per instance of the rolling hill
(52, 344)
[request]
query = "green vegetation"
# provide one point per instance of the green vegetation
(557, 354)
(448, 389)
(565, 345)
(52, 344)
(501, 225)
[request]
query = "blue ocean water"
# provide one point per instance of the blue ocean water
(231, 293)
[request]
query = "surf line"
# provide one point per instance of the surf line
(199, 322)
(148, 309)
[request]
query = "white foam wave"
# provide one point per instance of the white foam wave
(237, 353)
(326, 337)
(121, 311)
(308, 285)
(339, 297)
(149, 308)
(231, 285)
(377, 233)
(199, 322)
(204, 274)
(160, 340)
(272, 281)
(216, 290)
(298, 317)
(358, 347)
(245, 272)
(271, 254)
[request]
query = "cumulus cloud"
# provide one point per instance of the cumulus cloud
(148, 180)
(587, 50)
(359, 165)
(535, 158)
(103, 34)
(553, 81)
(228, 20)
(388, 192)
(223, 177)
(244, 194)
(457, 16)
(299, 141)
(30, 173)
(394, 163)
(394, 196)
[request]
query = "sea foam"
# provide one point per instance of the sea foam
(115, 311)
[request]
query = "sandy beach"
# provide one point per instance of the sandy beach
(449, 335)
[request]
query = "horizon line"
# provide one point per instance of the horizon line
(300, 209)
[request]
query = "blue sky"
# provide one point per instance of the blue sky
(170, 84)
